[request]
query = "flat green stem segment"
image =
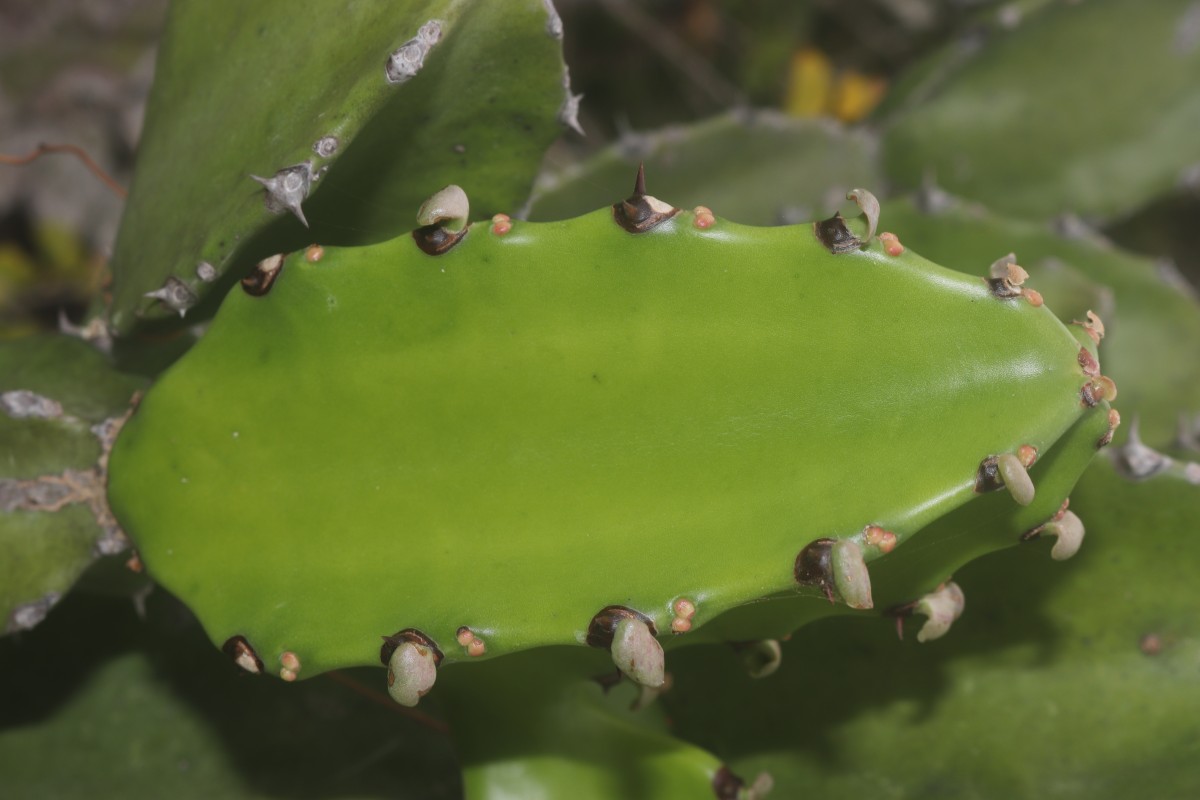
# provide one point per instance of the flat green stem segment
(1088, 107)
(534, 426)
(1151, 316)
(570, 737)
(55, 395)
(1103, 648)
(253, 88)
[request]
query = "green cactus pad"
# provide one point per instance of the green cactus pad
(492, 445)
(477, 91)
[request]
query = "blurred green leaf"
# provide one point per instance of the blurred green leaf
(757, 168)
(1090, 108)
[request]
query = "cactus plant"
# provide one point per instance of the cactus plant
(560, 441)
(605, 495)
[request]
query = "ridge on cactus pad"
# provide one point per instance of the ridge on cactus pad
(481, 439)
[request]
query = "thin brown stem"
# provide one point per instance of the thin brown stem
(78, 152)
(379, 698)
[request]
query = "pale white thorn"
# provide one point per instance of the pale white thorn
(637, 653)
(760, 788)
(554, 25)
(287, 189)
(869, 205)
(762, 658)
(175, 295)
(1069, 531)
(942, 606)
(999, 268)
(850, 575)
(25, 404)
(1016, 478)
(648, 694)
(1137, 461)
(412, 671)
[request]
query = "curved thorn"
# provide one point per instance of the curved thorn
(447, 208)
(762, 658)
(1015, 477)
(443, 220)
(942, 606)
(1136, 461)
(412, 671)
(869, 205)
(1069, 530)
(850, 574)
(637, 653)
(1005, 277)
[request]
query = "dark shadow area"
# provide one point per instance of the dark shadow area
(212, 727)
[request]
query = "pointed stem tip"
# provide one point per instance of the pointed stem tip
(641, 212)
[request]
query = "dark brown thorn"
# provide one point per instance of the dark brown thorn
(1033, 532)
(987, 478)
(835, 236)
(639, 183)
(726, 785)
(260, 281)
(640, 212)
(1003, 288)
(435, 240)
(900, 613)
(237, 648)
(814, 567)
(390, 643)
(1088, 363)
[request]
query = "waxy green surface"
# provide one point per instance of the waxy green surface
(528, 428)
(247, 89)
(1151, 317)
